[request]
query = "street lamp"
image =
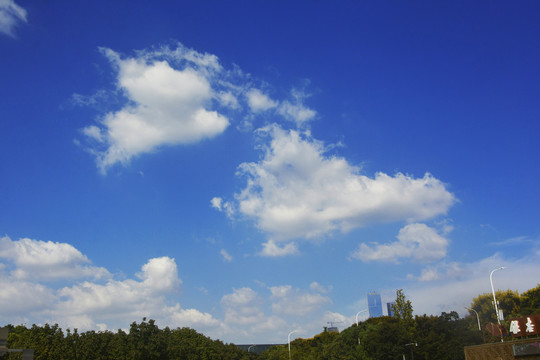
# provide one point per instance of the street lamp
(358, 313)
(415, 344)
(477, 317)
(493, 291)
(289, 342)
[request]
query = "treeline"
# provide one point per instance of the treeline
(144, 341)
(385, 338)
(424, 337)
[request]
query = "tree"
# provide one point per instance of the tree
(509, 303)
(530, 302)
(403, 309)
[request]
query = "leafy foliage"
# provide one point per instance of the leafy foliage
(145, 341)
(510, 302)
(403, 309)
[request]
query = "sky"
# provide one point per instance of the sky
(250, 168)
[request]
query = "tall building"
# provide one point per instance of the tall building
(390, 308)
(374, 304)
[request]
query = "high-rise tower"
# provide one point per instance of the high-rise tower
(374, 304)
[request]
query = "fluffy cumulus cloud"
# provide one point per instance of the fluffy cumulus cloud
(123, 300)
(415, 241)
(47, 260)
(170, 96)
(88, 297)
(11, 15)
(177, 96)
(297, 191)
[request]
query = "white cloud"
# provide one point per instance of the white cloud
(296, 112)
(160, 274)
(228, 99)
(47, 260)
(417, 241)
(167, 105)
(297, 191)
(242, 307)
(289, 301)
(271, 249)
(123, 300)
(20, 298)
(11, 15)
(226, 256)
(224, 206)
(315, 286)
(258, 101)
(239, 297)
(193, 318)
(88, 305)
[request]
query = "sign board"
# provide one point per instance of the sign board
(526, 349)
(525, 326)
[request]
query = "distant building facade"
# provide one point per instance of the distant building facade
(390, 308)
(374, 304)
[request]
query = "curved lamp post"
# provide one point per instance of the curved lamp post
(289, 342)
(358, 313)
(411, 345)
(493, 291)
(477, 317)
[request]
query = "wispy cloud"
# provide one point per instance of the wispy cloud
(452, 286)
(272, 249)
(289, 301)
(517, 240)
(11, 15)
(258, 101)
(226, 256)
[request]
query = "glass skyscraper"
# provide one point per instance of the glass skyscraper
(390, 307)
(374, 304)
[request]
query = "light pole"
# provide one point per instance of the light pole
(493, 291)
(477, 317)
(358, 313)
(289, 342)
(415, 344)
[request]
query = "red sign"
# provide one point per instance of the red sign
(525, 326)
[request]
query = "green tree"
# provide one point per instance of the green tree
(403, 309)
(444, 337)
(509, 303)
(530, 302)
(145, 341)
(383, 338)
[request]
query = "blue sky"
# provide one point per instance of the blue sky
(249, 168)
